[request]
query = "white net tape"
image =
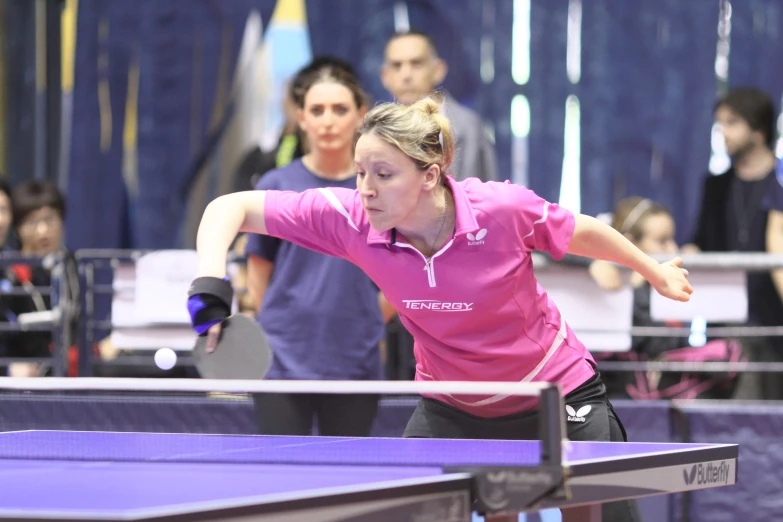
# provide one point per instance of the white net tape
(272, 386)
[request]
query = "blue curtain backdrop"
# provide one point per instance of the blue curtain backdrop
(646, 92)
(178, 46)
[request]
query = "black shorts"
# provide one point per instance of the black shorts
(590, 417)
(590, 421)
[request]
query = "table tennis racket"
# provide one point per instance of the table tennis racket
(242, 351)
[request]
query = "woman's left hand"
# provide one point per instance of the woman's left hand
(672, 281)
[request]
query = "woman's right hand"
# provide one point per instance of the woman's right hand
(213, 336)
(209, 304)
(606, 275)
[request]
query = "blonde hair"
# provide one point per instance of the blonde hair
(419, 130)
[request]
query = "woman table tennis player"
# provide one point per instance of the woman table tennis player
(454, 259)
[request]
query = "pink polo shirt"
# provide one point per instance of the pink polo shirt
(476, 312)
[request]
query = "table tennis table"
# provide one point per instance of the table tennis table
(111, 476)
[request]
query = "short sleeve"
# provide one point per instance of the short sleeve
(773, 197)
(540, 225)
(323, 220)
(262, 245)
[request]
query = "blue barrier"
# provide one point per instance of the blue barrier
(757, 429)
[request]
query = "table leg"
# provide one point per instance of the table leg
(589, 513)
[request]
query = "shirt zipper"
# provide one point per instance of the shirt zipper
(429, 265)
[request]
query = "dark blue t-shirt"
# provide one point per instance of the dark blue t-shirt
(746, 211)
(320, 313)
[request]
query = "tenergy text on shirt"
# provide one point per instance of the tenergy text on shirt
(439, 306)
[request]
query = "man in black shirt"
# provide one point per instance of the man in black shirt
(742, 211)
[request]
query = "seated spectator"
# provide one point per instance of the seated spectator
(651, 228)
(5, 213)
(5, 227)
(38, 214)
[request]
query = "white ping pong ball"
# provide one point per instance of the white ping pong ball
(165, 358)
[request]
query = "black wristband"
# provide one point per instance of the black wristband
(214, 286)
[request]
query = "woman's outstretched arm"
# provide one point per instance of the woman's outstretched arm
(592, 238)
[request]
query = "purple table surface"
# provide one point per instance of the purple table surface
(113, 488)
(101, 473)
(111, 446)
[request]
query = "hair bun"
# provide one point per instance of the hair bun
(420, 130)
(429, 105)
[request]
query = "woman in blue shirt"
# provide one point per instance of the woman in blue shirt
(321, 314)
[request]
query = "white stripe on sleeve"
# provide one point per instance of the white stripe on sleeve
(338, 206)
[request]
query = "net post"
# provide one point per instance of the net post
(551, 427)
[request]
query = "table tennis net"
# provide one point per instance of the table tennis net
(213, 428)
